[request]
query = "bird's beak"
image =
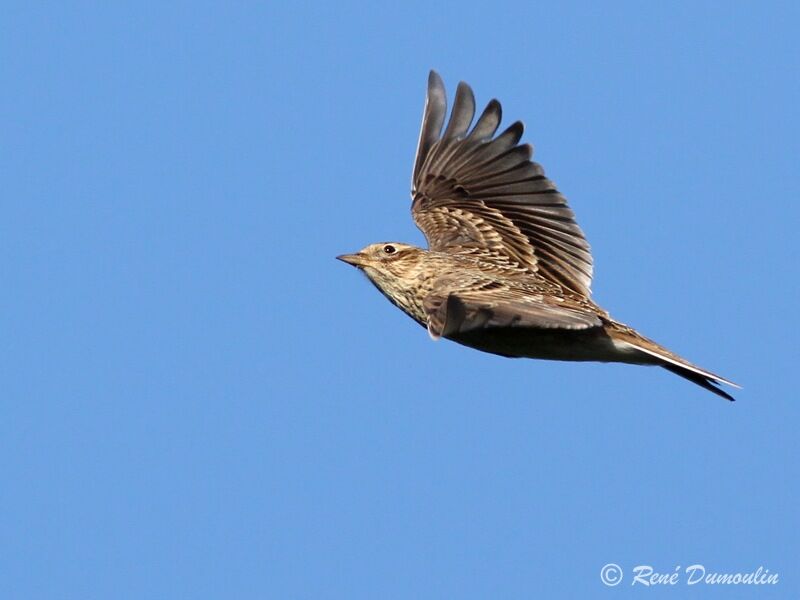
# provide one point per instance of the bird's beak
(357, 259)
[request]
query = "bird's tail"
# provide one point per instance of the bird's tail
(658, 355)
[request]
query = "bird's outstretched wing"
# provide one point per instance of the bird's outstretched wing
(480, 194)
(459, 304)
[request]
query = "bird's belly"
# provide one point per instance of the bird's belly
(550, 344)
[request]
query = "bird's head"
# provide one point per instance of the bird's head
(387, 258)
(392, 266)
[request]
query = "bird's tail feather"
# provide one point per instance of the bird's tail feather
(674, 363)
(701, 380)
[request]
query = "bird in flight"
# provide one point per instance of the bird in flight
(508, 269)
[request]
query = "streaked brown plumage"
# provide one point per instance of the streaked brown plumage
(508, 270)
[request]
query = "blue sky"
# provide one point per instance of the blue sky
(200, 402)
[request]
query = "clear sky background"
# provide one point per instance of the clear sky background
(198, 401)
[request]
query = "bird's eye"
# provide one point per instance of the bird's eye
(389, 249)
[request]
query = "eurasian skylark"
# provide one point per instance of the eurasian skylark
(508, 270)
